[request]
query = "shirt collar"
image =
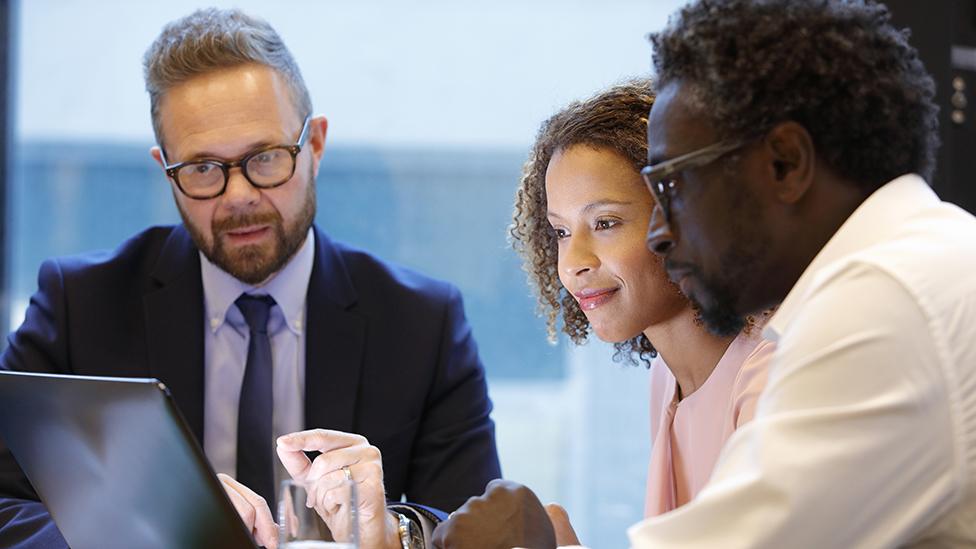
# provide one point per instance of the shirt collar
(871, 222)
(288, 287)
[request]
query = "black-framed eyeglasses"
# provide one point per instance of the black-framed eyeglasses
(265, 168)
(660, 179)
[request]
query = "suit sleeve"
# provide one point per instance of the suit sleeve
(455, 454)
(39, 345)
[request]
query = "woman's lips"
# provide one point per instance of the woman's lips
(591, 299)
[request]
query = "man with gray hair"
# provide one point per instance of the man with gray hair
(260, 324)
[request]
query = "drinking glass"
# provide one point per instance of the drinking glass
(301, 527)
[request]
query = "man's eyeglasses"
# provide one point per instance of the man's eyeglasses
(660, 179)
(265, 168)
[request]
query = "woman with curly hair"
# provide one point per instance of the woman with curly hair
(581, 216)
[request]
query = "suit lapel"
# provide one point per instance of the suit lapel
(174, 326)
(335, 339)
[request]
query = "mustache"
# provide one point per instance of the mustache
(244, 220)
(671, 265)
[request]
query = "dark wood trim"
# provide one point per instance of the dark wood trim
(7, 46)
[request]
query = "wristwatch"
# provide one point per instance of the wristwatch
(410, 536)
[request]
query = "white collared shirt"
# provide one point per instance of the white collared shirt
(225, 350)
(865, 436)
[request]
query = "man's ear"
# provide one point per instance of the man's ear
(157, 155)
(318, 127)
(791, 156)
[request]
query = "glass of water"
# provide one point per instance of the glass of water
(301, 527)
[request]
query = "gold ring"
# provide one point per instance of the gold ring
(345, 470)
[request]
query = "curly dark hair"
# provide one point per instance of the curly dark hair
(615, 119)
(838, 68)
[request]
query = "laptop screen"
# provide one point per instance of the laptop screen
(115, 463)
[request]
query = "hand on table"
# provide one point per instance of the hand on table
(507, 515)
(253, 510)
(324, 477)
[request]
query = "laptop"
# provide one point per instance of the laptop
(115, 463)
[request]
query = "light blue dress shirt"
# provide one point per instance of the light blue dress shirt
(225, 353)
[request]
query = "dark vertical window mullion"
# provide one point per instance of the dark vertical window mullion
(6, 134)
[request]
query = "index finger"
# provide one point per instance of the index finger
(263, 526)
(321, 440)
(291, 448)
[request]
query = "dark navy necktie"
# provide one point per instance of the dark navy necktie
(255, 461)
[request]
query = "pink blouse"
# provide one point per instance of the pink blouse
(688, 435)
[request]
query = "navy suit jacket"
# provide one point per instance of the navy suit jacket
(389, 355)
